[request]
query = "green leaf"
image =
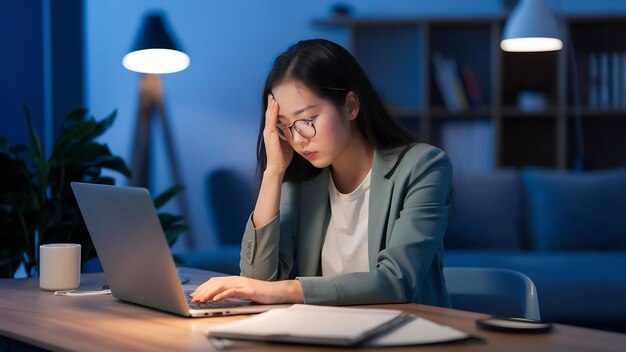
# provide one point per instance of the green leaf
(17, 149)
(73, 117)
(103, 125)
(114, 163)
(36, 148)
(172, 234)
(12, 245)
(87, 152)
(73, 135)
(36, 203)
(178, 260)
(105, 180)
(167, 195)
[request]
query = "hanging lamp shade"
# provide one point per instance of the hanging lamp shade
(155, 50)
(531, 26)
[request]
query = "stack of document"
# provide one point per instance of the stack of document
(335, 326)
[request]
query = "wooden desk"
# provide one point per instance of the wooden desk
(104, 323)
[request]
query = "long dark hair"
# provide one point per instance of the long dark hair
(331, 72)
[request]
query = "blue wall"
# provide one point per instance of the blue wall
(21, 68)
(41, 65)
(214, 106)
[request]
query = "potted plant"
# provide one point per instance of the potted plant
(37, 205)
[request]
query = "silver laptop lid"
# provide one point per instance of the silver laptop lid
(128, 237)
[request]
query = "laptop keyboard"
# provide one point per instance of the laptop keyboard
(224, 303)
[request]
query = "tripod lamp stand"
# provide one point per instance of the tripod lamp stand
(155, 53)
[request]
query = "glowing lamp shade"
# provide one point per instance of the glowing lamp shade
(155, 50)
(531, 26)
(156, 61)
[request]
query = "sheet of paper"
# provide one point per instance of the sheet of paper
(310, 324)
(418, 331)
(82, 293)
(330, 325)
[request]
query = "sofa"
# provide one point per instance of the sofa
(230, 200)
(565, 230)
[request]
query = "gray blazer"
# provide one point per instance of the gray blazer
(408, 215)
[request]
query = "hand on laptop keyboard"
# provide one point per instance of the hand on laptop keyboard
(225, 303)
(264, 292)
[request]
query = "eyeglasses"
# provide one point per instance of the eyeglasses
(304, 127)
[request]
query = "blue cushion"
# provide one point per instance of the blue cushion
(230, 200)
(223, 259)
(569, 211)
(575, 287)
(487, 211)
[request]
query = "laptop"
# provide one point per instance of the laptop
(125, 229)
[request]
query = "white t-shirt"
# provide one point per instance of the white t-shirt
(345, 246)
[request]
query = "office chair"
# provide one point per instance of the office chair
(231, 200)
(465, 282)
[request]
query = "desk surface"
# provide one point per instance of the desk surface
(94, 323)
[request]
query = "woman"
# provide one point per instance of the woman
(345, 191)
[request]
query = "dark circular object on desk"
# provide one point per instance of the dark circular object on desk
(513, 325)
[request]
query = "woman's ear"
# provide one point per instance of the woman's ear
(352, 104)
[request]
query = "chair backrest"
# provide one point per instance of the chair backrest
(516, 286)
(230, 200)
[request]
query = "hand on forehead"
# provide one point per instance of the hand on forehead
(294, 99)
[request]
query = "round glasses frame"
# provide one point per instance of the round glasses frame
(304, 127)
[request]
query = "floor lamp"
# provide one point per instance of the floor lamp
(532, 27)
(154, 53)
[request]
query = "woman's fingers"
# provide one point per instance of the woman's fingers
(207, 290)
(236, 286)
(271, 114)
(279, 153)
(271, 120)
(229, 293)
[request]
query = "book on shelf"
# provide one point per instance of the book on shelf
(606, 86)
(594, 81)
(616, 82)
(457, 84)
(604, 97)
(448, 78)
(472, 88)
(623, 80)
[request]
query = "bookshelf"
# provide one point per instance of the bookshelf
(528, 105)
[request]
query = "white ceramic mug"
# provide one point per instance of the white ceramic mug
(59, 266)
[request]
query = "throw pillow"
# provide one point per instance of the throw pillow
(576, 210)
(487, 211)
